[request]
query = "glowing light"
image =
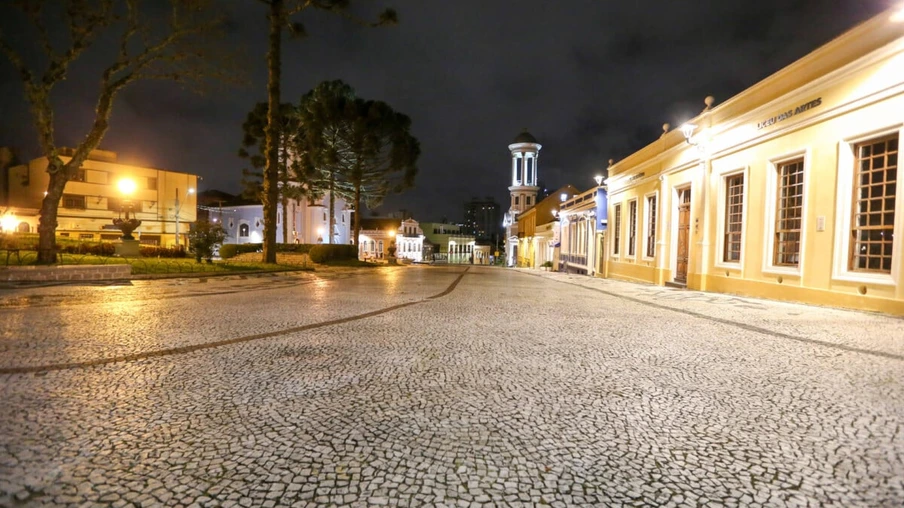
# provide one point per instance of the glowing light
(563, 196)
(898, 15)
(392, 233)
(319, 231)
(8, 222)
(126, 186)
(688, 131)
(191, 190)
(599, 179)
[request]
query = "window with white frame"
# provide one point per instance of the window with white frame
(616, 234)
(789, 207)
(734, 218)
(632, 227)
(873, 210)
(650, 250)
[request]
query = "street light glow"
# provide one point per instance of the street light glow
(8, 222)
(127, 186)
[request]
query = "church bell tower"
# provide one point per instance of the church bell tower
(525, 152)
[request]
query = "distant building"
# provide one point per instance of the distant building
(376, 236)
(308, 222)
(482, 219)
(163, 201)
(539, 230)
(525, 151)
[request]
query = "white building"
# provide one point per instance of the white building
(410, 241)
(308, 221)
(525, 152)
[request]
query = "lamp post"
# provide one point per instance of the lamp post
(128, 245)
(179, 211)
(126, 187)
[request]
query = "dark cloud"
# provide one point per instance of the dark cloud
(591, 80)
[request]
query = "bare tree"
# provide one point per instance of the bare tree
(172, 48)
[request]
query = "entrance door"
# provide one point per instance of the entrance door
(684, 231)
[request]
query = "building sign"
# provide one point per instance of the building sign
(638, 176)
(788, 114)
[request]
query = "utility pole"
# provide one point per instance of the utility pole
(179, 212)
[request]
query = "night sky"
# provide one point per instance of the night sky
(591, 79)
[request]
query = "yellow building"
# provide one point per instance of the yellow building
(538, 229)
(164, 201)
(787, 190)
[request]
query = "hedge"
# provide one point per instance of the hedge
(154, 251)
(326, 252)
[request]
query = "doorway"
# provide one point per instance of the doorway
(684, 231)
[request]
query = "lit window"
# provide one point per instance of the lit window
(789, 213)
(651, 226)
(734, 215)
(873, 224)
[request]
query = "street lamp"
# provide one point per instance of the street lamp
(8, 223)
(126, 187)
(179, 211)
(599, 180)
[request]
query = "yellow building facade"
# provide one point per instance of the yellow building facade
(787, 190)
(163, 200)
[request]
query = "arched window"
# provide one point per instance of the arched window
(243, 230)
(23, 227)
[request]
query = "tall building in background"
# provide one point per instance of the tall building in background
(525, 150)
(482, 218)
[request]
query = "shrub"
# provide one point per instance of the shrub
(228, 250)
(248, 247)
(326, 252)
(154, 251)
(301, 248)
(203, 236)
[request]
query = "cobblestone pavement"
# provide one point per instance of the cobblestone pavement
(451, 386)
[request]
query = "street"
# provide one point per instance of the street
(442, 386)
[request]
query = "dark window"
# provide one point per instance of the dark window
(152, 183)
(74, 201)
(616, 235)
(79, 176)
(243, 230)
(873, 222)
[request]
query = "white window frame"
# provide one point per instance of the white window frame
(646, 224)
(617, 217)
(769, 217)
(844, 209)
(723, 176)
(637, 214)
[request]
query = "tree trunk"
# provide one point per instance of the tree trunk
(270, 194)
(357, 212)
(332, 221)
(49, 209)
(284, 199)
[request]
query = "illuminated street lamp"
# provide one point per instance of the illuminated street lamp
(127, 225)
(8, 223)
(599, 180)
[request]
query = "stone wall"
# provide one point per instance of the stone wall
(65, 273)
